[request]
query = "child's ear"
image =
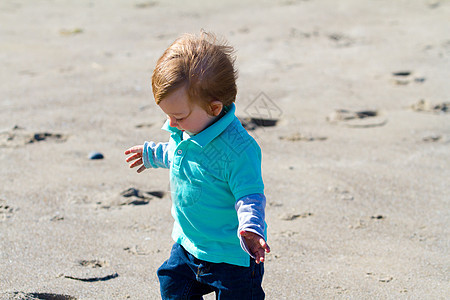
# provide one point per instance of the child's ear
(215, 107)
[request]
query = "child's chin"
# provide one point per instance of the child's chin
(188, 132)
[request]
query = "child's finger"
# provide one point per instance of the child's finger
(133, 157)
(135, 149)
(141, 169)
(131, 150)
(136, 163)
(263, 244)
(260, 256)
(261, 259)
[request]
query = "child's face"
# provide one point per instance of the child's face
(183, 114)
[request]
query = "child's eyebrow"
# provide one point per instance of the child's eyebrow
(178, 114)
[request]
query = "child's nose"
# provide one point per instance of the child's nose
(172, 122)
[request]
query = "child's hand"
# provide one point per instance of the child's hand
(137, 156)
(256, 244)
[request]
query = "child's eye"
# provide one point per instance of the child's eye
(178, 120)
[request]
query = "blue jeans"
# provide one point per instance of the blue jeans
(183, 276)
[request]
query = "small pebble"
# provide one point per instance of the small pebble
(95, 155)
(378, 217)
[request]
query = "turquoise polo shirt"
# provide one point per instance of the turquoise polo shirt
(209, 172)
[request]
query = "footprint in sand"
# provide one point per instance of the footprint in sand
(35, 296)
(364, 223)
(18, 136)
(406, 77)
(381, 277)
(340, 40)
(144, 125)
(261, 112)
(432, 138)
(341, 193)
(293, 216)
(93, 270)
(296, 33)
(357, 119)
(136, 250)
(94, 278)
(295, 137)
(336, 39)
(441, 50)
(147, 4)
(128, 197)
(93, 263)
(251, 124)
(6, 211)
(426, 106)
(137, 197)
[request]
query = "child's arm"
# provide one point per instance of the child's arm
(149, 155)
(250, 210)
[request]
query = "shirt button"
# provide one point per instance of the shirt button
(180, 151)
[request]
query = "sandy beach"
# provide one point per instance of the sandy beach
(349, 101)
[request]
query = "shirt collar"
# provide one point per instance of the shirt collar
(211, 132)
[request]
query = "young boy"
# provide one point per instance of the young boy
(215, 175)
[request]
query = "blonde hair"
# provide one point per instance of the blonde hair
(201, 64)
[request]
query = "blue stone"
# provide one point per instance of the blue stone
(95, 155)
